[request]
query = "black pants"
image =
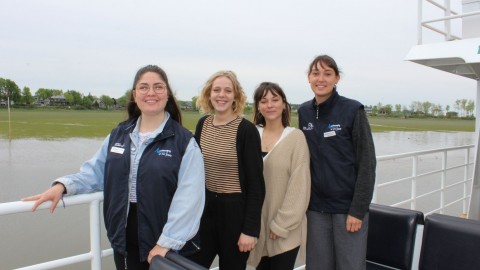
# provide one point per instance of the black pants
(132, 260)
(283, 261)
(220, 230)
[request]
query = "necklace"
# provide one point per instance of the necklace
(269, 140)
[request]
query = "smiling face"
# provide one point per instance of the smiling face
(271, 106)
(151, 94)
(222, 95)
(322, 79)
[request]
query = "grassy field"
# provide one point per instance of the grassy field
(60, 124)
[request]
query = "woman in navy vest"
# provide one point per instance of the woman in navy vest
(342, 166)
(151, 172)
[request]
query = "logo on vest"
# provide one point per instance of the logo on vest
(308, 127)
(334, 127)
(166, 153)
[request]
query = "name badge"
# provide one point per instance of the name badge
(329, 134)
(117, 150)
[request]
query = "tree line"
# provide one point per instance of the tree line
(461, 108)
(72, 97)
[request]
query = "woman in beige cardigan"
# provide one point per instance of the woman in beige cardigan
(287, 181)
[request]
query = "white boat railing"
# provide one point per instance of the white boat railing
(94, 200)
(449, 15)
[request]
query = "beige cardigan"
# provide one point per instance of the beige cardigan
(286, 172)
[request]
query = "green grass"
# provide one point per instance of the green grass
(61, 124)
(380, 124)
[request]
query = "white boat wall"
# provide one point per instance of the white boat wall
(457, 54)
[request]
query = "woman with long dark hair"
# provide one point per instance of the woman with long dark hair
(151, 172)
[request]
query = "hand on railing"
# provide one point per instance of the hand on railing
(54, 194)
(157, 250)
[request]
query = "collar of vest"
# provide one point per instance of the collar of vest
(327, 103)
(129, 125)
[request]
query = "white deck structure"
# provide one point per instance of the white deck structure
(458, 54)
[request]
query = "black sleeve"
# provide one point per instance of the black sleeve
(198, 129)
(366, 162)
(251, 176)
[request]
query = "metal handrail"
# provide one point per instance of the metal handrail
(447, 18)
(94, 200)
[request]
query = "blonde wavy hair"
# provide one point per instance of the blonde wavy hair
(240, 99)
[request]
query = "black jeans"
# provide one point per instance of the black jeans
(283, 261)
(132, 260)
(220, 230)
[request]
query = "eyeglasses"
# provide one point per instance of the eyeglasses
(157, 88)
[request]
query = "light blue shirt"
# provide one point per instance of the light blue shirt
(188, 201)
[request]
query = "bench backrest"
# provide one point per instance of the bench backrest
(391, 236)
(450, 243)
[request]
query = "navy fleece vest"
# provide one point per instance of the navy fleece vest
(156, 183)
(328, 129)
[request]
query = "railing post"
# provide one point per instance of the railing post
(95, 249)
(413, 203)
(447, 22)
(465, 178)
(442, 181)
(420, 26)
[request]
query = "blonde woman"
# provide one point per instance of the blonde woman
(287, 181)
(235, 188)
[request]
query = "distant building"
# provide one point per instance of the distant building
(58, 100)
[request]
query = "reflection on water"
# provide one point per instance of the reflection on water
(28, 166)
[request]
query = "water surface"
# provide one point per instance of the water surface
(28, 166)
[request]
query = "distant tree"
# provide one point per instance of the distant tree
(458, 106)
(463, 104)
(44, 94)
(73, 97)
(194, 102)
(107, 101)
(470, 107)
(436, 109)
(416, 107)
(27, 95)
(122, 101)
(88, 101)
(398, 108)
(426, 106)
(11, 88)
(388, 109)
(447, 108)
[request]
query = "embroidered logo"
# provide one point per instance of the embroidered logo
(166, 153)
(119, 145)
(334, 127)
(308, 127)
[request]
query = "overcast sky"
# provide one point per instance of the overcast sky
(97, 46)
